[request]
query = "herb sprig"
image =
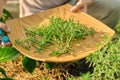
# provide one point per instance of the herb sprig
(59, 33)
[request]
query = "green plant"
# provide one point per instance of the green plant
(85, 76)
(60, 33)
(106, 62)
(29, 64)
(8, 54)
(5, 16)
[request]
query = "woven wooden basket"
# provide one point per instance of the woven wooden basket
(86, 47)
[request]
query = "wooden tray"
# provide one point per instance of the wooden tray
(86, 47)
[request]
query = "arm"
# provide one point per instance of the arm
(82, 5)
(2, 3)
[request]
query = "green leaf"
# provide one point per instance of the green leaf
(7, 13)
(29, 64)
(5, 16)
(3, 72)
(8, 53)
(49, 65)
(85, 76)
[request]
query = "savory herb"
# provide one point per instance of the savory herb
(59, 33)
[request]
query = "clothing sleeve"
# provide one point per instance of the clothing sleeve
(29, 7)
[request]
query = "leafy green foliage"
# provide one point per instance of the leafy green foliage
(60, 33)
(5, 16)
(50, 65)
(85, 76)
(117, 28)
(8, 53)
(29, 64)
(106, 62)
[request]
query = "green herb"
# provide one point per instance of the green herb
(60, 33)
(106, 62)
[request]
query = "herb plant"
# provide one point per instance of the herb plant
(106, 62)
(60, 33)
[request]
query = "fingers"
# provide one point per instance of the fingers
(7, 44)
(79, 6)
(4, 27)
(84, 9)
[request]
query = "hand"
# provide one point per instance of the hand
(82, 5)
(2, 25)
(6, 29)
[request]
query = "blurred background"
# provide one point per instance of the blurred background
(13, 7)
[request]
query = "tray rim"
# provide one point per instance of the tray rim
(49, 60)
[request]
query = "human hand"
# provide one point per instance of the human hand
(82, 5)
(4, 39)
(4, 27)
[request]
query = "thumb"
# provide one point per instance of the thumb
(75, 8)
(79, 6)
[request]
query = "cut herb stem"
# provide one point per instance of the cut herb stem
(59, 33)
